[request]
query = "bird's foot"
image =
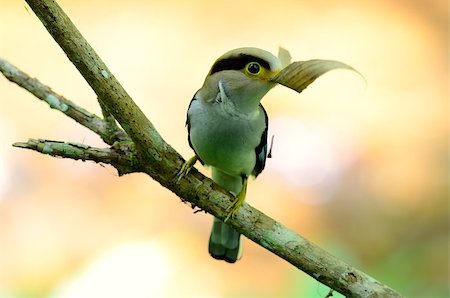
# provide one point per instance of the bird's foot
(238, 201)
(186, 168)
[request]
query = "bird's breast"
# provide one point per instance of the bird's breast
(223, 140)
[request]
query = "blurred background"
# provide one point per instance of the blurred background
(359, 169)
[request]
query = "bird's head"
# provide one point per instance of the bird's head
(243, 75)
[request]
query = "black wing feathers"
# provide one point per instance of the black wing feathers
(261, 149)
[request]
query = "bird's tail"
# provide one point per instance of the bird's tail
(225, 242)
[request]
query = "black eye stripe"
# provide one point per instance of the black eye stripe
(237, 63)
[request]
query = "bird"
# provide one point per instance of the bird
(227, 129)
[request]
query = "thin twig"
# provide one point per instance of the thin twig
(121, 155)
(62, 104)
(330, 293)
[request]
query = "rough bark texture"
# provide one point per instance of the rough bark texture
(148, 152)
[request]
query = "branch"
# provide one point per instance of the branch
(60, 103)
(159, 160)
(121, 155)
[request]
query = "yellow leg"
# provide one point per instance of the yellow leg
(238, 201)
(187, 166)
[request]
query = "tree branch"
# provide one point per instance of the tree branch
(159, 160)
(121, 155)
(60, 103)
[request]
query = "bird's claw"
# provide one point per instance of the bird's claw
(234, 207)
(237, 203)
(186, 168)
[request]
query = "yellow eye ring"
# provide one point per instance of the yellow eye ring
(253, 68)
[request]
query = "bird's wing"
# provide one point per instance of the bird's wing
(189, 128)
(261, 149)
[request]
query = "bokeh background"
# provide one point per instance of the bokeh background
(359, 168)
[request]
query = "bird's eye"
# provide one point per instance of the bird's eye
(253, 68)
